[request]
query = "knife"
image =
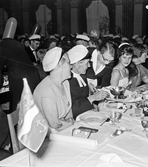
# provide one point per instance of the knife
(106, 120)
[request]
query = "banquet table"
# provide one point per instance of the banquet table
(129, 149)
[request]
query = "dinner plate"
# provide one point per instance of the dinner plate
(131, 96)
(135, 115)
(92, 117)
(126, 100)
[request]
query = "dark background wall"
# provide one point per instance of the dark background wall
(24, 12)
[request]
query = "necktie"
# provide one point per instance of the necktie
(34, 52)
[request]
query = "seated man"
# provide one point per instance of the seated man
(81, 100)
(99, 74)
(34, 43)
(139, 57)
(82, 40)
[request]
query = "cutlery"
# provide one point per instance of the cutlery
(106, 120)
(120, 131)
(127, 108)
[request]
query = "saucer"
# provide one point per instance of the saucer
(135, 115)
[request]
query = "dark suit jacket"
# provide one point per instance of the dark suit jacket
(79, 95)
(31, 55)
(145, 64)
(103, 77)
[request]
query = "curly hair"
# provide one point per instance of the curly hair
(124, 49)
(127, 49)
(138, 49)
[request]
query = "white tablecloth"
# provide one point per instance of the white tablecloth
(130, 147)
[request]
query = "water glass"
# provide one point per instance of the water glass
(144, 123)
(118, 116)
(112, 116)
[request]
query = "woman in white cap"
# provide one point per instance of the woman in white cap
(81, 100)
(52, 95)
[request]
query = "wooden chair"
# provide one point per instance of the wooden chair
(4, 98)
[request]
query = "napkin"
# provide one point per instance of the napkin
(110, 160)
(133, 96)
(82, 142)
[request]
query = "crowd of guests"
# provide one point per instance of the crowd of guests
(72, 68)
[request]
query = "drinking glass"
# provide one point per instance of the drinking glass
(112, 116)
(118, 116)
(144, 123)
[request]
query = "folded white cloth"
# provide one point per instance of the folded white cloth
(81, 142)
(110, 160)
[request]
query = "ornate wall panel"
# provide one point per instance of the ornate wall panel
(71, 17)
(66, 17)
(128, 17)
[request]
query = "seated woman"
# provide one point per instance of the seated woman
(81, 100)
(52, 94)
(99, 73)
(121, 73)
(140, 55)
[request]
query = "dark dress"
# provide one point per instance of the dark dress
(15, 58)
(79, 95)
(103, 78)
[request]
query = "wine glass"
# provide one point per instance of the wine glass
(118, 116)
(112, 116)
(117, 91)
(144, 123)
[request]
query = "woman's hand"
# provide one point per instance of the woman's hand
(66, 123)
(70, 120)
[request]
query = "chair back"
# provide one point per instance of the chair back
(4, 98)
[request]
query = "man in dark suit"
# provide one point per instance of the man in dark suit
(102, 64)
(34, 41)
(103, 77)
(82, 101)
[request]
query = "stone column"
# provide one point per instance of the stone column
(59, 16)
(118, 13)
(25, 16)
(74, 16)
(20, 10)
(138, 10)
